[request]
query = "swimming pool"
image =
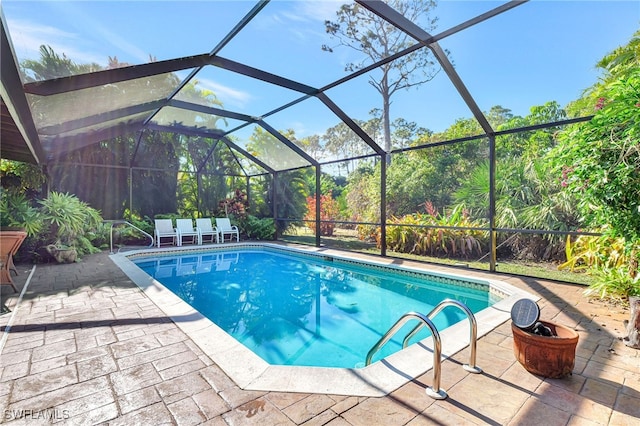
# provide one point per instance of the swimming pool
(249, 371)
(293, 309)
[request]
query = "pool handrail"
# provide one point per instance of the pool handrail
(473, 331)
(124, 222)
(433, 391)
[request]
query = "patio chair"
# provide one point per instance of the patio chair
(10, 242)
(184, 228)
(205, 228)
(164, 229)
(225, 228)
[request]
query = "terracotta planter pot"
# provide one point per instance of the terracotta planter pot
(546, 356)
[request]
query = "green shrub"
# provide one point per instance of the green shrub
(17, 211)
(259, 229)
(436, 234)
(602, 252)
(146, 224)
(614, 283)
(329, 211)
(70, 222)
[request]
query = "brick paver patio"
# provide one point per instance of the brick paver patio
(86, 346)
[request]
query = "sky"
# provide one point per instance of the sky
(537, 52)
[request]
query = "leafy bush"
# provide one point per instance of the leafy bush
(587, 252)
(606, 259)
(615, 283)
(70, 222)
(146, 224)
(21, 178)
(60, 219)
(329, 211)
(259, 229)
(236, 206)
(435, 234)
(17, 211)
(126, 235)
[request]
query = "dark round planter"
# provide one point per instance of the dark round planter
(547, 356)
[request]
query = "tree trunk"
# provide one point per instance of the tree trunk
(633, 328)
(386, 114)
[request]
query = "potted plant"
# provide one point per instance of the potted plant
(542, 347)
(548, 356)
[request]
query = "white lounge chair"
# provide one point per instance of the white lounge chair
(205, 228)
(164, 229)
(225, 228)
(184, 228)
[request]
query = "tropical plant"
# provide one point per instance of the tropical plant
(615, 283)
(17, 211)
(259, 229)
(587, 252)
(329, 211)
(70, 221)
(51, 65)
(22, 178)
(128, 235)
(236, 206)
(286, 192)
(600, 159)
(436, 234)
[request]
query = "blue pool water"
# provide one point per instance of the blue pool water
(306, 310)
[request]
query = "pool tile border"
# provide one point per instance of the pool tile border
(250, 372)
(466, 282)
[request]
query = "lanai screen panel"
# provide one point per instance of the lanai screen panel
(114, 152)
(84, 103)
(267, 148)
(413, 111)
(318, 131)
(194, 120)
(250, 167)
(98, 32)
(195, 154)
(222, 160)
(225, 160)
(294, 32)
(104, 133)
(104, 188)
(535, 53)
(159, 151)
(532, 186)
(220, 88)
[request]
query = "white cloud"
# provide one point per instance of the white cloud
(84, 39)
(27, 37)
(101, 34)
(319, 10)
(305, 19)
(230, 97)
